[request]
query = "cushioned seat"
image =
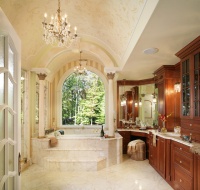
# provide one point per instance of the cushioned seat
(137, 150)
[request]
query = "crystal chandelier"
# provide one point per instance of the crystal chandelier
(80, 69)
(57, 32)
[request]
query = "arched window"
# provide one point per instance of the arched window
(83, 100)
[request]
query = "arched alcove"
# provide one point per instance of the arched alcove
(58, 92)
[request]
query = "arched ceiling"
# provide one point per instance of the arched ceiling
(111, 32)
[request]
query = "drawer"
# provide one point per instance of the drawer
(138, 134)
(182, 180)
(183, 149)
(125, 133)
(184, 162)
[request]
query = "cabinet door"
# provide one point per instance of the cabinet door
(185, 109)
(196, 76)
(190, 77)
(152, 152)
(161, 156)
(197, 172)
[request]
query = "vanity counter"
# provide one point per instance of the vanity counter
(194, 147)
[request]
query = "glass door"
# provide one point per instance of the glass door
(196, 97)
(9, 115)
(185, 88)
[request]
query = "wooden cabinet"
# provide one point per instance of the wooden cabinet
(196, 172)
(190, 67)
(157, 154)
(190, 85)
(168, 100)
(181, 166)
(161, 155)
(152, 152)
(126, 139)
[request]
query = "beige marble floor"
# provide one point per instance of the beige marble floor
(129, 175)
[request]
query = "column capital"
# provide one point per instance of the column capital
(110, 75)
(41, 76)
(41, 72)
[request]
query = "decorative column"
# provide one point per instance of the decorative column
(41, 73)
(110, 77)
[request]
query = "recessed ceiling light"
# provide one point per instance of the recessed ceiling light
(150, 50)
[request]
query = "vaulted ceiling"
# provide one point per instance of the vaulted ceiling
(112, 32)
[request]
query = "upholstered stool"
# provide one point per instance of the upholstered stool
(137, 150)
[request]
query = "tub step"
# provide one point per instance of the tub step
(74, 154)
(56, 164)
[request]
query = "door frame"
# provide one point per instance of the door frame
(12, 39)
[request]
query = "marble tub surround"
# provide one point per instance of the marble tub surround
(77, 153)
(83, 129)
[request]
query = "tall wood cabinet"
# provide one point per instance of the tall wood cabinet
(158, 155)
(168, 100)
(190, 85)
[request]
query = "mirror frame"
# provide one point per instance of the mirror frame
(125, 82)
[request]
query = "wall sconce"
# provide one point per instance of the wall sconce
(123, 100)
(154, 98)
(177, 87)
(123, 96)
(136, 104)
(140, 102)
(154, 94)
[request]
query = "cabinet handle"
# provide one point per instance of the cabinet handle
(180, 180)
(180, 162)
(180, 148)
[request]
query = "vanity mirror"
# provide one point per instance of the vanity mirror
(136, 103)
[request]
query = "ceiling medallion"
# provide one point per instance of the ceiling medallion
(57, 32)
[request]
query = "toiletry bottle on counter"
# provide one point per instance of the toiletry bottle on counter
(102, 131)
